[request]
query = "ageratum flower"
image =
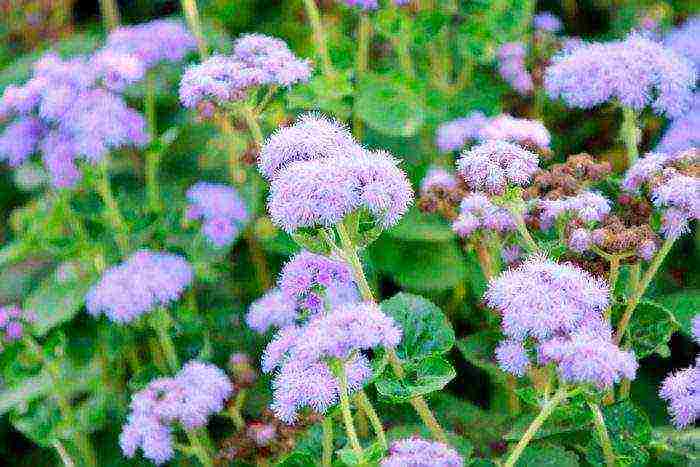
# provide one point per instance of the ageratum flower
(580, 240)
(221, 209)
(547, 22)
(493, 165)
(684, 40)
(13, 323)
(362, 4)
(298, 385)
(158, 41)
(541, 298)
(511, 254)
(438, 179)
(636, 72)
(275, 309)
(511, 66)
(20, 140)
(682, 392)
(198, 391)
(273, 57)
(417, 452)
(683, 133)
(312, 136)
(587, 206)
(118, 69)
(59, 155)
(262, 434)
(523, 131)
(679, 194)
(453, 135)
(695, 331)
(307, 275)
(478, 212)
(644, 169)
(512, 357)
(143, 282)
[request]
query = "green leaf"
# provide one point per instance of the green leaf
(684, 306)
(59, 297)
(428, 375)
(422, 227)
(311, 241)
(679, 448)
(650, 329)
(547, 455)
(297, 459)
(630, 434)
(370, 455)
(30, 388)
(323, 93)
(426, 330)
(389, 106)
(479, 350)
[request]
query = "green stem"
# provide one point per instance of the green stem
(402, 47)
(161, 323)
(193, 21)
(111, 213)
(637, 294)
(364, 33)
(630, 134)
(544, 414)
(418, 403)
(200, 444)
(152, 156)
(319, 37)
(327, 456)
(345, 409)
(63, 454)
(530, 243)
(251, 121)
(603, 437)
(612, 280)
(110, 14)
(513, 400)
(366, 405)
(235, 409)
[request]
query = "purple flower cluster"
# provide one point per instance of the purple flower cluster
(478, 212)
(342, 178)
(198, 391)
(275, 309)
(453, 135)
(13, 321)
(684, 41)
(511, 66)
(440, 179)
(558, 307)
(547, 22)
(362, 4)
(636, 72)
(221, 209)
(135, 287)
(493, 165)
(682, 389)
(262, 434)
(257, 60)
(158, 41)
(683, 132)
(67, 111)
(417, 452)
(587, 206)
(301, 355)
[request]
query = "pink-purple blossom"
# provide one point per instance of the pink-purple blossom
(511, 66)
(476, 211)
(453, 135)
(417, 452)
(587, 206)
(13, 323)
(20, 140)
(522, 131)
(547, 22)
(221, 210)
(682, 392)
(438, 178)
(275, 309)
(684, 40)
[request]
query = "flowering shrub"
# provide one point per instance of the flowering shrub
(360, 233)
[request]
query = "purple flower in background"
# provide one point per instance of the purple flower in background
(312, 136)
(636, 72)
(684, 40)
(477, 212)
(146, 280)
(58, 155)
(580, 240)
(273, 57)
(547, 22)
(512, 357)
(511, 67)
(453, 135)
(275, 309)
(681, 193)
(511, 254)
(682, 392)
(196, 392)
(541, 298)
(643, 170)
(20, 140)
(262, 433)
(417, 452)
(437, 178)
(683, 132)
(13, 322)
(221, 209)
(523, 131)
(162, 40)
(695, 329)
(587, 206)
(674, 223)
(118, 69)
(493, 165)
(363, 4)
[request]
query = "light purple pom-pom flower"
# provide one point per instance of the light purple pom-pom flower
(20, 140)
(580, 240)
(680, 196)
(522, 131)
(453, 135)
(511, 67)
(636, 72)
(362, 4)
(587, 206)
(684, 40)
(146, 280)
(683, 132)
(695, 329)
(682, 392)
(438, 178)
(546, 21)
(512, 357)
(118, 69)
(275, 309)
(478, 212)
(417, 452)
(13, 323)
(220, 207)
(493, 165)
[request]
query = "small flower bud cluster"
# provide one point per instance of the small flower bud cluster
(417, 452)
(242, 370)
(615, 237)
(587, 206)
(220, 207)
(188, 399)
(441, 192)
(511, 66)
(13, 323)
(257, 60)
(568, 178)
(478, 212)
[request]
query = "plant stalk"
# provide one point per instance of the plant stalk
(200, 444)
(161, 325)
(319, 37)
(345, 410)
(327, 456)
(630, 134)
(152, 156)
(111, 213)
(603, 437)
(530, 243)
(366, 405)
(195, 25)
(110, 14)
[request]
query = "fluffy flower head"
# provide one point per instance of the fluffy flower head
(417, 452)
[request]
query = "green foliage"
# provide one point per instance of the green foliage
(630, 434)
(478, 349)
(545, 454)
(324, 93)
(650, 329)
(684, 306)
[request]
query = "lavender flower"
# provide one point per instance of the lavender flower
(313, 136)
(682, 133)
(511, 254)
(189, 398)
(13, 322)
(298, 385)
(587, 206)
(684, 41)
(681, 390)
(511, 67)
(478, 212)
(221, 209)
(523, 131)
(644, 169)
(636, 72)
(273, 57)
(275, 309)
(512, 357)
(417, 452)
(453, 135)
(143, 282)
(362, 4)
(680, 192)
(307, 275)
(262, 433)
(695, 331)
(59, 155)
(118, 69)
(493, 165)
(646, 249)
(20, 140)
(541, 298)
(157, 41)
(439, 179)
(674, 223)
(547, 22)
